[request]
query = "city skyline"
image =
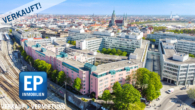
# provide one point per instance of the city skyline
(138, 7)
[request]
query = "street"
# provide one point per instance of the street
(9, 81)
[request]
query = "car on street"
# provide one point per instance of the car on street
(183, 88)
(170, 90)
(145, 101)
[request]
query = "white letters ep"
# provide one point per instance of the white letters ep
(35, 83)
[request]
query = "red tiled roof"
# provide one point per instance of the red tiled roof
(119, 21)
(37, 38)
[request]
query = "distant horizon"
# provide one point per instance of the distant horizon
(102, 7)
(108, 14)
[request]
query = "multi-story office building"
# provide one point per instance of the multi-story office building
(128, 45)
(80, 64)
(20, 34)
(79, 36)
(97, 42)
(185, 46)
(92, 44)
(177, 68)
(160, 35)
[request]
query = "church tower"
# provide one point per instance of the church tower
(113, 18)
(124, 20)
(171, 15)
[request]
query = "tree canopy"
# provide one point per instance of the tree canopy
(54, 75)
(149, 82)
(191, 93)
(191, 55)
(125, 95)
(114, 52)
(106, 96)
(181, 31)
(77, 84)
(61, 77)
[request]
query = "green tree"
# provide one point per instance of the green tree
(54, 75)
(113, 51)
(143, 38)
(14, 46)
(36, 63)
(27, 58)
(108, 51)
(191, 93)
(98, 51)
(74, 43)
(77, 84)
(136, 106)
(93, 99)
(10, 30)
(106, 96)
(152, 40)
(125, 95)
(61, 77)
(31, 60)
(191, 55)
(151, 92)
(119, 52)
(49, 70)
(69, 41)
(130, 94)
(103, 50)
(148, 81)
(124, 54)
(23, 53)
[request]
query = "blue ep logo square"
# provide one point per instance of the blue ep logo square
(33, 85)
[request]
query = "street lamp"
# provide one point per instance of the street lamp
(65, 94)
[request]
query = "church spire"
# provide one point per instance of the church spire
(113, 12)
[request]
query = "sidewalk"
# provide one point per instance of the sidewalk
(164, 95)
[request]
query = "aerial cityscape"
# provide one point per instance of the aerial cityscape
(97, 55)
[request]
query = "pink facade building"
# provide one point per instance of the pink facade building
(94, 78)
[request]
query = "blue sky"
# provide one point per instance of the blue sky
(131, 7)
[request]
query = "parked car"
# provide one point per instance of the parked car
(183, 88)
(145, 101)
(170, 90)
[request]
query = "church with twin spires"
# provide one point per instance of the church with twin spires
(114, 22)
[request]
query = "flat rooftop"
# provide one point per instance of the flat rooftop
(168, 57)
(114, 65)
(186, 41)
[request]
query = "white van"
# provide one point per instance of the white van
(170, 91)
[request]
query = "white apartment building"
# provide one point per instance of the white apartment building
(176, 68)
(74, 31)
(133, 35)
(185, 46)
(171, 35)
(92, 44)
(124, 44)
(103, 33)
(79, 36)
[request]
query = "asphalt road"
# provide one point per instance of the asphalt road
(173, 101)
(152, 63)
